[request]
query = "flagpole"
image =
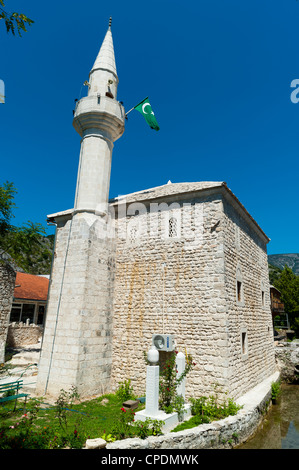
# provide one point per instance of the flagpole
(136, 105)
(129, 111)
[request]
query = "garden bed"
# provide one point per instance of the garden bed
(70, 423)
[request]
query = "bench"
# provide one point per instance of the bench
(12, 390)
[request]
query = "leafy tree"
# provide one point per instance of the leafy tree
(14, 21)
(274, 273)
(7, 193)
(27, 245)
(288, 285)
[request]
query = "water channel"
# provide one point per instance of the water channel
(280, 427)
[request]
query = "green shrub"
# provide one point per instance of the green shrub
(191, 423)
(149, 427)
(214, 408)
(125, 426)
(207, 409)
(125, 391)
(122, 428)
(19, 436)
(275, 390)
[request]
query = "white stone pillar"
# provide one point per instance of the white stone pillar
(152, 382)
(152, 390)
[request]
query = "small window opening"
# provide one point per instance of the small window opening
(244, 348)
(133, 234)
(263, 298)
(239, 291)
(172, 227)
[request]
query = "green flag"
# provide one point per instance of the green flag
(146, 110)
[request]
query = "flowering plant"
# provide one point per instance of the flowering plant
(169, 400)
(126, 426)
(149, 427)
(122, 427)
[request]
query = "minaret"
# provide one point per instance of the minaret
(99, 119)
(77, 342)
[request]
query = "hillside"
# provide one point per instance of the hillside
(289, 259)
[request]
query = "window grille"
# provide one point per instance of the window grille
(172, 228)
(133, 234)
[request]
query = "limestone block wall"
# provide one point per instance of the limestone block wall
(186, 297)
(77, 349)
(287, 358)
(193, 265)
(7, 285)
(22, 334)
(249, 321)
(186, 285)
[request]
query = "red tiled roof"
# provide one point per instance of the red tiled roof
(30, 287)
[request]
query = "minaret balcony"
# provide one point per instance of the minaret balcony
(102, 113)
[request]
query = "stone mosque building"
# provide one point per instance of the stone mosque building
(185, 260)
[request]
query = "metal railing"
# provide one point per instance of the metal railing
(282, 322)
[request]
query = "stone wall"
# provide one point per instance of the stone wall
(245, 258)
(7, 285)
(287, 358)
(21, 334)
(186, 286)
(178, 298)
(77, 345)
(222, 434)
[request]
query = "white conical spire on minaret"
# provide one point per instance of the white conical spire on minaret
(106, 58)
(103, 75)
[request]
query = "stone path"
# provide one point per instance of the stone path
(23, 365)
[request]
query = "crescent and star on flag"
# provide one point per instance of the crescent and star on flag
(143, 107)
(148, 114)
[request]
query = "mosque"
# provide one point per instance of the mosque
(184, 263)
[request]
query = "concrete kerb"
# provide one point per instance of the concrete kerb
(225, 433)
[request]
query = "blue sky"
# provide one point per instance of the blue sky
(218, 76)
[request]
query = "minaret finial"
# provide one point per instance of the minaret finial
(110, 21)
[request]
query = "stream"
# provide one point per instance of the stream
(280, 427)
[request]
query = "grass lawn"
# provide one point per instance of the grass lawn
(71, 421)
(88, 420)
